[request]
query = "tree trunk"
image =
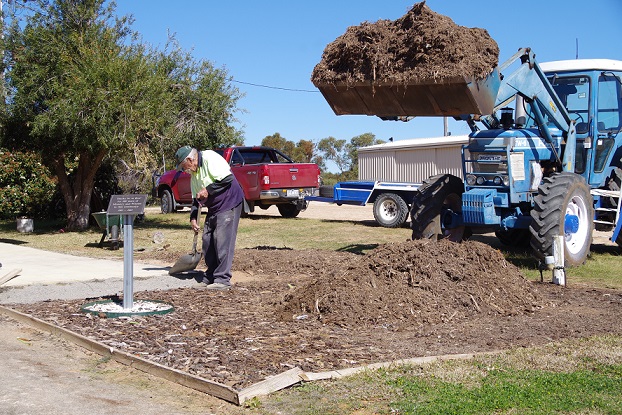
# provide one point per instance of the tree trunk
(78, 189)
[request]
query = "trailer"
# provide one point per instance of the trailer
(392, 200)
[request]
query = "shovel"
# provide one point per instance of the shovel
(190, 261)
(187, 262)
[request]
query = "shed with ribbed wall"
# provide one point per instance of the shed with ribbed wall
(411, 160)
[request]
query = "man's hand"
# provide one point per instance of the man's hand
(194, 225)
(202, 195)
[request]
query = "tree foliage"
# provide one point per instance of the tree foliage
(82, 88)
(25, 185)
(344, 155)
(304, 151)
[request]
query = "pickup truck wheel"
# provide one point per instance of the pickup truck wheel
(166, 202)
(436, 196)
(390, 210)
(563, 207)
(288, 210)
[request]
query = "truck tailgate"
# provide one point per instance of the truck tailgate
(297, 175)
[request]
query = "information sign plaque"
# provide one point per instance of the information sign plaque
(127, 204)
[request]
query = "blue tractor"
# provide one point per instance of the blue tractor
(550, 165)
(544, 158)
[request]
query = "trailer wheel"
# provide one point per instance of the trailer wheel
(563, 206)
(288, 210)
(437, 196)
(166, 202)
(390, 210)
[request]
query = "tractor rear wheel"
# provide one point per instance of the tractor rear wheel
(437, 196)
(390, 210)
(563, 207)
(614, 182)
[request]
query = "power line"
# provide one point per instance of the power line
(272, 87)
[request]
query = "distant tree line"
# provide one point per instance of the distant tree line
(343, 154)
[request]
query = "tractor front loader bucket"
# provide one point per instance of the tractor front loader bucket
(441, 97)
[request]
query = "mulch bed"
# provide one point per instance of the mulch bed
(325, 310)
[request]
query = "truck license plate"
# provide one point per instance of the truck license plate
(293, 192)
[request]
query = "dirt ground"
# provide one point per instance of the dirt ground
(39, 371)
(324, 310)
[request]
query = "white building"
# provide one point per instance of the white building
(411, 160)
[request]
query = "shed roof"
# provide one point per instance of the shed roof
(446, 141)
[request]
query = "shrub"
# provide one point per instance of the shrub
(26, 185)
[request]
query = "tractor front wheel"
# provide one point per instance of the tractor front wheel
(437, 197)
(563, 207)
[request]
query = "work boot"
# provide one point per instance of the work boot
(217, 286)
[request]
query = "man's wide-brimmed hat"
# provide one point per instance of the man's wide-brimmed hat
(181, 155)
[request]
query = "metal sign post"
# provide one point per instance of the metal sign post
(128, 206)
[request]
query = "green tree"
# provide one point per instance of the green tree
(83, 88)
(336, 151)
(25, 185)
(363, 140)
(345, 154)
(304, 151)
(279, 142)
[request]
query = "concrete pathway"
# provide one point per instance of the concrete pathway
(49, 275)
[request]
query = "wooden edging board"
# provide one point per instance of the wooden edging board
(212, 388)
(237, 397)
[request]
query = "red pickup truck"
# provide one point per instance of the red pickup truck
(267, 176)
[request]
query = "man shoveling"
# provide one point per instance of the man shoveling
(214, 186)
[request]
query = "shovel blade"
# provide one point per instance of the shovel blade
(190, 261)
(185, 263)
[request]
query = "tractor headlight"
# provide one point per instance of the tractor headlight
(480, 180)
(497, 181)
(506, 180)
(470, 179)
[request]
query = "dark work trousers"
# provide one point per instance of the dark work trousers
(219, 236)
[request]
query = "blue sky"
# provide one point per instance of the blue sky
(277, 43)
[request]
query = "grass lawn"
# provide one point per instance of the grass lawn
(571, 377)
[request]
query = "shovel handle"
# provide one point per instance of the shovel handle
(196, 233)
(194, 243)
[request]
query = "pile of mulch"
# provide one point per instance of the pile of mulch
(420, 46)
(419, 281)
